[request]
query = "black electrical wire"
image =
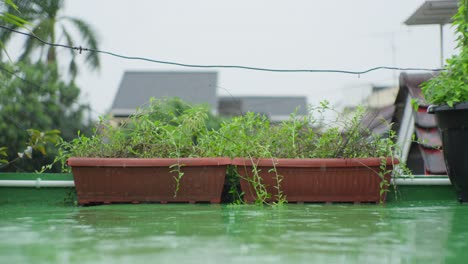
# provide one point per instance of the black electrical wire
(81, 49)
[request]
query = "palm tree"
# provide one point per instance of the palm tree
(48, 24)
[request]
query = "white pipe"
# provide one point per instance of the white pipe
(423, 181)
(38, 183)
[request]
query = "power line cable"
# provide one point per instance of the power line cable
(81, 49)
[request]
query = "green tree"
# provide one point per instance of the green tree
(32, 96)
(9, 18)
(48, 24)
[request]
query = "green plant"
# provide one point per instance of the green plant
(179, 174)
(234, 193)
(70, 197)
(280, 197)
(46, 21)
(10, 18)
(152, 132)
(37, 142)
(451, 85)
(254, 136)
(33, 96)
(166, 128)
(160, 130)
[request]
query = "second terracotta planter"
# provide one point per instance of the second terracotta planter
(316, 180)
(121, 180)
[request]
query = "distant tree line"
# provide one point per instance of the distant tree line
(34, 93)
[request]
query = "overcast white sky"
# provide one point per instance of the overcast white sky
(347, 35)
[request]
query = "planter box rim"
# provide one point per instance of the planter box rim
(318, 162)
(437, 108)
(146, 162)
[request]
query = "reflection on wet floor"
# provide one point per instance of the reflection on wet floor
(422, 232)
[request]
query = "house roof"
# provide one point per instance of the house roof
(433, 12)
(277, 108)
(137, 87)
(378, 120)
(425, 125)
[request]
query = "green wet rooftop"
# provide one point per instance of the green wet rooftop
(419, 224)
(399, 232)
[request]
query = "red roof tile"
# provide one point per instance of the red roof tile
(412, 82)
(425, 124)
(378, 121)
(433, 161)
(428, 137)
(422, 119)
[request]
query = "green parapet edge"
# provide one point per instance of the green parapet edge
(24, 196)
(421, 193)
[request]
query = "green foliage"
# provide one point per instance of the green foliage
(40, 139)
(451, 86)
(33, 96)
(46, 22)
(11, 4)
(235, 193)
(176, 168)
(414, 104)
(37, 141)
(3, 155)
(10, 18)
(254, 136)
(173, 129)
(167, 128)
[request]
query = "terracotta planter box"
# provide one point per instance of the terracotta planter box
(317, 180)
(117, 180)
